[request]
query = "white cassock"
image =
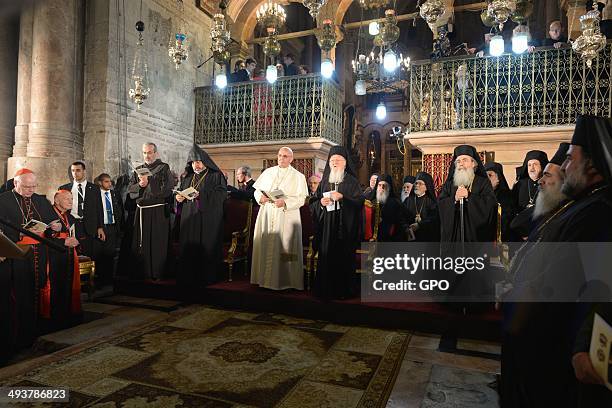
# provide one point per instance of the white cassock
(277, 239)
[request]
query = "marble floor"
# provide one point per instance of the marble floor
(437, 371)
(457, 378)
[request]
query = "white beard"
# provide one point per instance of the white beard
(463, 177)
(336, 176)
(382, 197)
(547, 201)
(404, 195)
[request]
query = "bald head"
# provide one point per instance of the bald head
(285, 157)
(25, 184)
(63, 200)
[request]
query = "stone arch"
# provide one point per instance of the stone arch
(243, 12)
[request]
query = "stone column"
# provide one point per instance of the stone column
(55, 134)
(8, 93)
(24, 76)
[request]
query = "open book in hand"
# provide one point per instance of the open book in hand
(274, 195)
(35, 226)
(189, 193)
(143, 171)
(600, 350)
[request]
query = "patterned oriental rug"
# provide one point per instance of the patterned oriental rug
(204, 357)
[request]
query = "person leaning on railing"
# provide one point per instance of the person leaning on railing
(557, 39)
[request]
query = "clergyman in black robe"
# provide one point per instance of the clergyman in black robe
(151, 234)
(22, 279)
(393, 225)
(422, 205)
(549, 198)
(407, 189)
(467, 179)
(64, 307)
(201, 230)
(525, 190)
(543, 372)
(337, 231)
(495, 172)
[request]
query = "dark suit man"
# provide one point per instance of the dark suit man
(243, 74)
(113, 214)
(290, 66)
(246, 191)
(86, 209)
(8, 186)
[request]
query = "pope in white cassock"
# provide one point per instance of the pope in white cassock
(277, 240)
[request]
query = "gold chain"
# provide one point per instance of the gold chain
(196, 185)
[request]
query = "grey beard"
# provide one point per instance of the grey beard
(463, 177)
(404, 195)
(575, 182)
(336, 176)
(547, 201)
(382, 197)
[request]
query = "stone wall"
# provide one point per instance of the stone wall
(114, 128)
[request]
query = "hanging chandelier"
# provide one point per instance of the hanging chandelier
(140, 92)
(271, 14)
(522, 11)
(386, 69)
(389, 32)
(326, 38)
(431, 11)
(220, 39)
(271, 46)
(372, 76)
(500, 11)
(314, 6)
(177, 49)
(591, 41)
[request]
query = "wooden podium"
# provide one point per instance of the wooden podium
(10, 250)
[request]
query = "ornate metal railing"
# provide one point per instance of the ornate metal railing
(545, 88)
(296, 107)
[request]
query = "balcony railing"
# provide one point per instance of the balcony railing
(545, 88)
(296, 107)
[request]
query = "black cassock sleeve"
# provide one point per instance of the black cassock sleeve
(429, 227)
(213, 194)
